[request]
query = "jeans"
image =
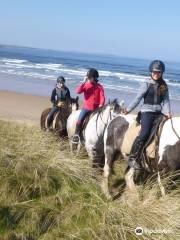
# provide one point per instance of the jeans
(53, 110)
(147, 120)
(82, 116)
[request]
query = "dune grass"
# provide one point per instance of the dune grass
(46, 193)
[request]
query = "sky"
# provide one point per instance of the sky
(129, 28)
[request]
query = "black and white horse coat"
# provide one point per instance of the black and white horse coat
(168, 151)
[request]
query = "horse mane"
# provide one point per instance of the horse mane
(113, 102)
(75, 101)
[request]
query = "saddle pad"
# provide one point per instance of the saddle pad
(130, 136)
(152, 146)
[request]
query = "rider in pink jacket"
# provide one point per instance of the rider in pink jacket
(93, 95)
(93, 98)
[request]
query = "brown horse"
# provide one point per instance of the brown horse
(60, 117)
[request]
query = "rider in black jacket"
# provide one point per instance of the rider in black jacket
(59, 95)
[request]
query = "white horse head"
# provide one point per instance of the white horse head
(75, 104)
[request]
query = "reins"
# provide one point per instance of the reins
(175, 132)
(105, 124)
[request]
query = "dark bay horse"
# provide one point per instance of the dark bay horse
(60, 117)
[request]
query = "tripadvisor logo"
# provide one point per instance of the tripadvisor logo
(139, 231)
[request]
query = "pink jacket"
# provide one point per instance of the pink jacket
(93, 95)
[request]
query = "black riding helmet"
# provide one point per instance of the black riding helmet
(93, 73)
(157, 66)
(61, 79)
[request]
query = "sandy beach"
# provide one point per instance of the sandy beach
(22, 107)
(26, 107)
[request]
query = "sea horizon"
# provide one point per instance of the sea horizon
(86, 53)
(34, 71)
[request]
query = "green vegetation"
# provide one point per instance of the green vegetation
(45, 193)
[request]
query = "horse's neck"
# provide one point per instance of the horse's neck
(174, 124)
(105, 116)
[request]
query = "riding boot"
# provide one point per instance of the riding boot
(49, 121)
(135, 154)
(76, 136)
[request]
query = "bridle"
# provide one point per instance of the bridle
(175, 132)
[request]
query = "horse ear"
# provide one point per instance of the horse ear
(115, 101)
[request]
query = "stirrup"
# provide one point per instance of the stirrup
(76, 135)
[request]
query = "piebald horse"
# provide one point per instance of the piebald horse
(167, 160)
(93, 133)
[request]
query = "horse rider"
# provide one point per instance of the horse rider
(58, 97)
(155, 95)
(93, 98)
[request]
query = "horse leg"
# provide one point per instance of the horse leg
(105, 180)
(160, 185)
(129, 175)
(46, 123)
(89, 148)
(54, 124)
(74, 147)
(71, 147)
(43, 119)
(78, 148)
(130, 195)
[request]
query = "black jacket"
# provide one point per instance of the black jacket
(60, 94)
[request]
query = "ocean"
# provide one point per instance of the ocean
(31, 70)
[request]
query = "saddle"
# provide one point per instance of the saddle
(151, 145)
(86, 120)
(61, 115)
(83, 126)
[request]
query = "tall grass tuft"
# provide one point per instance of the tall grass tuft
(46, 193)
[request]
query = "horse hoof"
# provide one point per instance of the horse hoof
(109, 197)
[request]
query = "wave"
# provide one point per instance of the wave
(34, 66)
(9, 60)
(116, 87)
(29, 74)
(49, 66)
(120, 87)
(51, 70)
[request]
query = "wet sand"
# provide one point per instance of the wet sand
(22, 107)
